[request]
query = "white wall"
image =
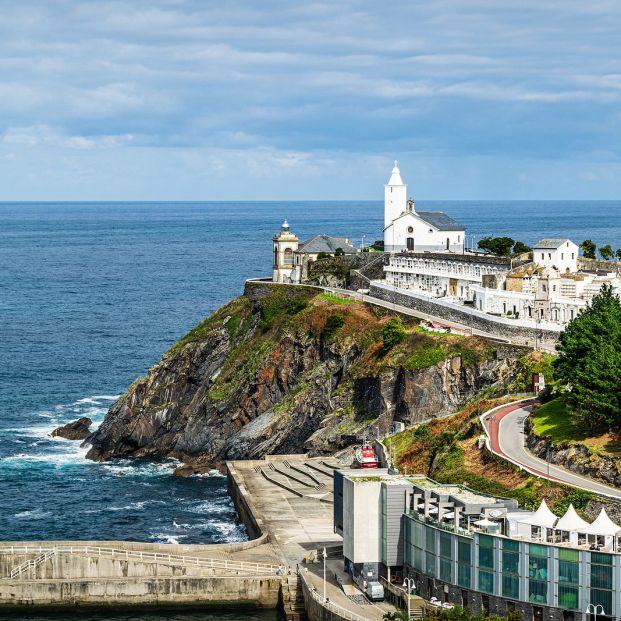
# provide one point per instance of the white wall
(564, 258)
(426, 238)
(361, 521)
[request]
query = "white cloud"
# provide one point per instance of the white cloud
(43, 135)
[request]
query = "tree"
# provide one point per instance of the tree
(589, 361)
(618, 254)
(393, 333)
(497, 245)
(323, 255)
(588, 249)
(606, 252)
(520, 247)
(339, 252)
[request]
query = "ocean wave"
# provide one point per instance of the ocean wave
(141, 468)
(207, 475)
(34, 514)
(96, 399)
(213, 507)
(166, 538)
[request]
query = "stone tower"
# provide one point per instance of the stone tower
(285, 245)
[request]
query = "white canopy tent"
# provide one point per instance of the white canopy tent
(568, 527)
(603, 531)
(537, 524)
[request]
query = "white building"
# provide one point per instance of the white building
(561, 254)
(285, 244)
(407, 229)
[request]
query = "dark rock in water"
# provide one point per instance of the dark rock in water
(289, 370)
(187, 470)
(76, 430)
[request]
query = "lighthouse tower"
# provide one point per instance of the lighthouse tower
(285, 245)
(395, 197)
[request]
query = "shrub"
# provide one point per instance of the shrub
(393, 333)
(335, 322)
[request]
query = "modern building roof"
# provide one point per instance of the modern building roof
(550, 244)
(440, 220)
(325, 243)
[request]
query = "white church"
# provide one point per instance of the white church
(408, 230)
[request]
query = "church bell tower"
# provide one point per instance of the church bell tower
(395, 196)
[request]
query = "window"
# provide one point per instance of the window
(568, 578)
(486, 581)
(288, 258)
(510, 569)
(464, 560)
(538, 574)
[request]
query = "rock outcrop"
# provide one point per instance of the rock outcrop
(75, 430)
(286, 369)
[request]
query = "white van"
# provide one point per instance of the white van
(375, 591)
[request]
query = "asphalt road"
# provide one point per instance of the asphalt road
(506, 429)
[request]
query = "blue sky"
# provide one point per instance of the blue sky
(177, 100)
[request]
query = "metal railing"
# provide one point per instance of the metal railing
(249, 568)
(331, 606)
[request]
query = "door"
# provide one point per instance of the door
(410, 244)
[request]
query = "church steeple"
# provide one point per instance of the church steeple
(395, 196)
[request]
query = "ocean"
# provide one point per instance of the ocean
(92, 294)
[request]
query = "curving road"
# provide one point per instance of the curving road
(506, 431)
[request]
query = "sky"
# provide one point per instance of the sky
(278, 100)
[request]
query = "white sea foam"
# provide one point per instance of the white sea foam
(35, 514)
(96, 399)
(166, 538)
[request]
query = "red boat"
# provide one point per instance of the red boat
(365, 456)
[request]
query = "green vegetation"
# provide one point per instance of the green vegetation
(533, 362)
(425, 358)
(393, 333)
(606, 252)
(520, 248)
(554, 420)
(230, 315)
(333, 298)
(589, 363)
(457, 613)
(334, 323)
(281, 302)
(339, 252)
(503, 246)
(588, 249)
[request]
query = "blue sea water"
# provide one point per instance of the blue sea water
(92, 294)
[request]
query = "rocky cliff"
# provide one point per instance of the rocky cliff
(283, 369)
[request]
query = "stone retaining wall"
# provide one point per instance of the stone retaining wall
(479, 321)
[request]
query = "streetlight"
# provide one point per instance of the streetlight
(594, 610)
(409, 583)
(325, 556)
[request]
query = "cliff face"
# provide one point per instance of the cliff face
(285, 369)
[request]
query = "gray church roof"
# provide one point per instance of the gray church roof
(550, 243)
(440, 220)
(325, 243)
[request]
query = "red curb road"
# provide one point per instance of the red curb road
(493, 427)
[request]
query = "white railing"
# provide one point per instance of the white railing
(331, 606)
(44, 554)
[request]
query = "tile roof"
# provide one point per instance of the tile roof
(550, 243)
(440, 220)
(325, 243)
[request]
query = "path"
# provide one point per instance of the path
(505, 428)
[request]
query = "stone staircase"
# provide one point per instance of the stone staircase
(292, 598)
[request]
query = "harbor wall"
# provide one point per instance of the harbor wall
(212, 591)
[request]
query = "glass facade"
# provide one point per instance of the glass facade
(543, 575)
(568, 579)
(510, 569)
(601, 580)
(464, 562)
(538, 573)
(383, 523)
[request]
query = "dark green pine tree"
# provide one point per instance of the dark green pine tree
(589, 362)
